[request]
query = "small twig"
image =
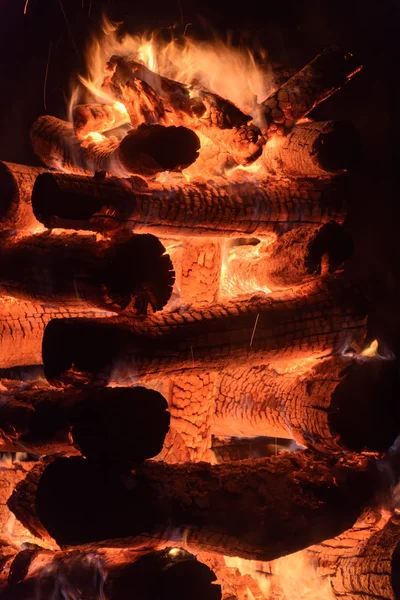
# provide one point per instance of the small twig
(254, 329)
(45, 78)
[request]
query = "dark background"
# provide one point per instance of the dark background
(293, 32)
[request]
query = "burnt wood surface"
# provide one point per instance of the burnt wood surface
(147, 150)
(117, 425)
(259, 509)
(318, 80)
(338, 404)
(132, 271)
(16, 184)
(314, 149)
(196, 209)
(317, 319)
(295, 257)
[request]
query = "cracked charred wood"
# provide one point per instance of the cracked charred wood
(16, 184)
(127, 273)
(228, 449)
(322, 318)
(89, 118)
(147, 150)
(210, 209)
(339, 404)
(295, 257)
(259, 509)
(217, 118)
(22, 325)
(116, 425)
(364, 562)
(318, 80)
(313, 150)
(102, 573)
(201, 270)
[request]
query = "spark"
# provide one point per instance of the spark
(181, 11)
(254, 329)
(90, 8)
(26, 6)
(45, 78)
(191, 350)
(69, 28)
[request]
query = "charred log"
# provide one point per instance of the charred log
(22, 325)
(201, 270)
(212, 209)
(117, 425)
(339, 404)
(363, 562)
(318, 80)
(133, 271)
(320, 319)
(199, 109)
(294, 258)
(91, 575)
(16, 184)
(313, 150)
(259, 509)
(145, 151)
(89, 118)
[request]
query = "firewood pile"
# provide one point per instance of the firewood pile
(177, 267)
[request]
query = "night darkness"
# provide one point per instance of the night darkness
(292, 32)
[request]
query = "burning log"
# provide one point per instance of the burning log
(133, 271)
(118, 425)
(320, 319)
(214, 116)
(16, 183)
(339, 404)
(361, 566)
(147, 150)
(318, 80)
(313, 150)
(259, 509)
(228, 449)
(89, 118)
(102, 573)
(195, 209)
(22, 325)
(294, 258)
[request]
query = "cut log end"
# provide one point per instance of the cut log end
(364, 410)
(172, 148)
(328, 249)
(8, 190)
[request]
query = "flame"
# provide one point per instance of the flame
(371, 351)
(235, 278)
(292, 577)
(215, 66)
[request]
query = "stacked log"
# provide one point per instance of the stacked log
(134, 271)
(118, 425)
(295, 257)
(316, 320)
(97, 573)
(22, 325)
(143, 151)
(217, 208)
(16, 184)
(339, 404)
(201, 270)
(259, 509)
(313, 149)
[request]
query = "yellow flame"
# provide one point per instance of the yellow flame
(372, 349)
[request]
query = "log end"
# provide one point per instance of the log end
(169, 148)
(140, 275)
(396, 572)
(120, 425)
(365, 411)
